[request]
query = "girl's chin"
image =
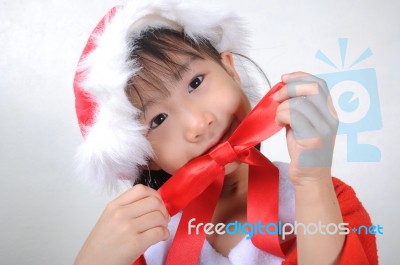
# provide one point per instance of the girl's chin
(231, 167)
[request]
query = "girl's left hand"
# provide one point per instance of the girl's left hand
(307, 111)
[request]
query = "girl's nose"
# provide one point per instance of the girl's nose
(198, 125)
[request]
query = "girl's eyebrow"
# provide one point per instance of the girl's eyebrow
(182, 69)
(176, 77)
(151, 102)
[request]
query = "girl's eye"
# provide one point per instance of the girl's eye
(195, 83)
(157, 120)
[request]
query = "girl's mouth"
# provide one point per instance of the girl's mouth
(224, 136)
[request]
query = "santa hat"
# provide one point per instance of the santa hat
(114, 145)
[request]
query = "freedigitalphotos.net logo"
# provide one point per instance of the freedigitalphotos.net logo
(355, 96)
(280, 228)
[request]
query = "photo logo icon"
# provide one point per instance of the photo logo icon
(355, 97)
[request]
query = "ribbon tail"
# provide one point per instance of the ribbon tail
(263, 193)
(185, 251)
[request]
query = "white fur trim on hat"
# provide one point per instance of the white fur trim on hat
(114, 146)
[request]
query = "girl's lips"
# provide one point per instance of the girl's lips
(225, 135)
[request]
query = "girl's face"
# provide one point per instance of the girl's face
(204, 106)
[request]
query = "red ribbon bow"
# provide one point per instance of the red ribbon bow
(195, 188)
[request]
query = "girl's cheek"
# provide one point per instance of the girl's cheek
(171, 159)
(223, 96)
(231, 102)
(169, 148)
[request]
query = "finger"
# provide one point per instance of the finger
(296, 89)
(144, 206)
(301, 84)
(324, 107)
(301, 126)
(316, 92)
(136, 193)
(319, 126)
(282, 117)
(287, 76)
(302, 77)
(149, 221)
(154, 235)
(313, 134)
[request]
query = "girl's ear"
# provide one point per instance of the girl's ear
(229, 64)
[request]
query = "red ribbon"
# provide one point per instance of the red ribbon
(195, 188)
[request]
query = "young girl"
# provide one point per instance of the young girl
(157, 86)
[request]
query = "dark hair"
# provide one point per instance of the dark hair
(156, 52)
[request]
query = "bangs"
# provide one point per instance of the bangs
(161, 55)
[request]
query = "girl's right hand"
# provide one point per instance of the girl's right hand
(128, 226)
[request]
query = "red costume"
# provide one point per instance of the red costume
(358, 248)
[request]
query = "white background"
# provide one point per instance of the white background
(46, 213)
